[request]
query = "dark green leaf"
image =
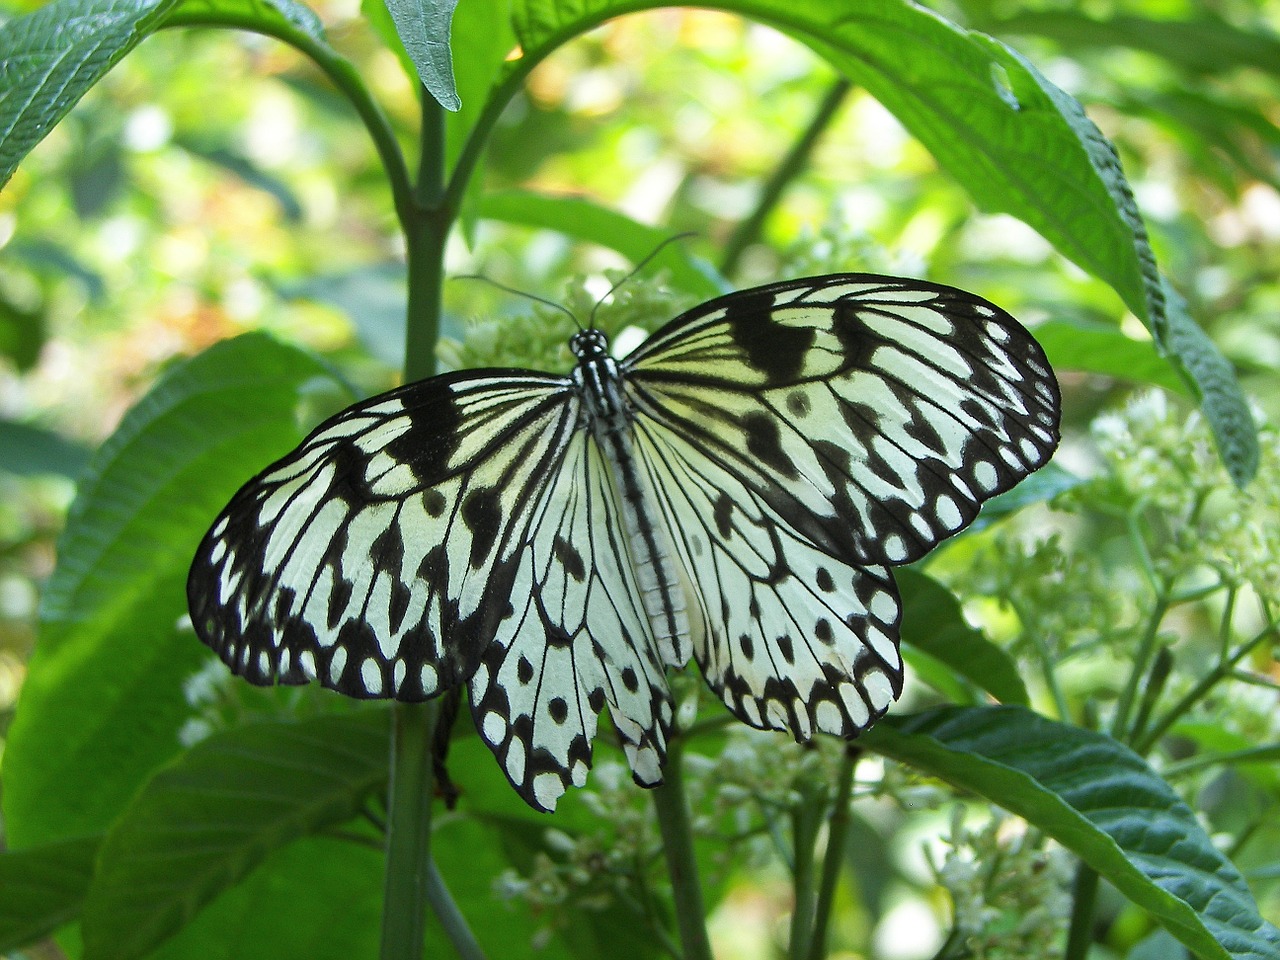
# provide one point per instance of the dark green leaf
(585, 220)
(29, 450)
(1221, 398)
(53, 259)
(318, 898)
(1100, 348)
(49, 58)
(1101, 801)
(1205, 43)
(103, 698)
(203, 823)
(22, 332)
(44, 888)
(423, 26)
(933, 622)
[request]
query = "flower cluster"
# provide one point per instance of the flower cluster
(1008, 888)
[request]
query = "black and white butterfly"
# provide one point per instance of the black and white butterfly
(735, 490)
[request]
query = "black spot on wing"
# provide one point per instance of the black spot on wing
(764, 442)
(482, 514)
(775, 350)
(430, 441)
(569, 558)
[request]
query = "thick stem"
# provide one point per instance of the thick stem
(410, 877)
(1084, 895)
(806, 818)
(748, 231)
(682, 865)
(833, 860)
(408, 831)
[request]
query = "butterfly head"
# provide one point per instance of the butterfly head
(590, 344)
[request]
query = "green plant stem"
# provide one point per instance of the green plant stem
(408, 831)
(425, 237)
(682, 865)
(833, 859)
(451, 918)
(748, 231)
(1199, 691)
(806, 817)
(1120, 723)
(341, 74)
(1084, 895)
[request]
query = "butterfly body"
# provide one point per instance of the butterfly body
(734, 491)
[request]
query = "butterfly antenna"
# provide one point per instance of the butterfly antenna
(591, 320)
(522, 293)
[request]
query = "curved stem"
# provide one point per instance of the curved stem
(343, 76)
(682, 865)
(748, 231)
(833, 860)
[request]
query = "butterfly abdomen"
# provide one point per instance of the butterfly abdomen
(610, 421)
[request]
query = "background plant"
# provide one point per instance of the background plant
(157, 219)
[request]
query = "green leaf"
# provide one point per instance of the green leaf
(204, 822)
(1101, 801)
(932, 621)
(1204, 43)
(103, 699)
(44, 888)
(49, 58)
(1017, 143)
(585, 220)
(423, 26)
(272, 17)
(1075, 344)
(1221, 398)
(319, 898)
(30, 450)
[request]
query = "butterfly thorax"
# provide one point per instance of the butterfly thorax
(601, 386)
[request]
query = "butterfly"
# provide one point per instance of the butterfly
(735, 491)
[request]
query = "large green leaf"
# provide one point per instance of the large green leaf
(43, 888)
(103, 699)
(1013, 140)
(202, 824)
(932, 621)
(1100, 800)
(1072, 344)
(50, 58)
